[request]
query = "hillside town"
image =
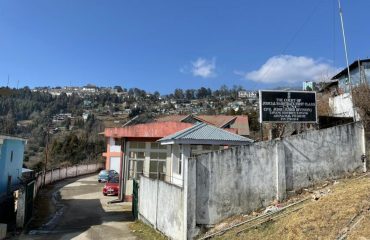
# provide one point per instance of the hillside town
(125, 120)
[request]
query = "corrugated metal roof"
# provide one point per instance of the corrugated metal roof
(205, 132)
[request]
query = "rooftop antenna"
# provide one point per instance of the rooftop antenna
(346, 54)
(7, 84)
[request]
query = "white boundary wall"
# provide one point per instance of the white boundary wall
(63, 173)
(161, 205)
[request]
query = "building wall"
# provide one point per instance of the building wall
(342, 106)
(111, 145)
(10, 167)
(161, 205)
(243, 179)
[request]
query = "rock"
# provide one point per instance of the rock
(271, 209)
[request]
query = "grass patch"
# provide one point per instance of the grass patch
(145, 232)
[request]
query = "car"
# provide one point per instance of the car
(111, 187)
(105, 175)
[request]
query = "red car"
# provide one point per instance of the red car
(111, 187)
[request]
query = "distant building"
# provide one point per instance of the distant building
(242, 94)
(308, 86)
(342, 105)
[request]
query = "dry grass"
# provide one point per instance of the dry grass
(143, 231)
(325, 218)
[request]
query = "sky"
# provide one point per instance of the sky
(163, 45)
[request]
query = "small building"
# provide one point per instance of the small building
(11, 161)
(134, 151)
(342, 105)
(359, 71)
(136, 147)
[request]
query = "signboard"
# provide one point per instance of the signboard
(288, 106)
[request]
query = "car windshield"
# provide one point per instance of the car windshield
(103, 172)
(113, 180)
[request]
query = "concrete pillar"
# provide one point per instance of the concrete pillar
(21, 208)
(3, 229)
(280, 171)
(189, 190)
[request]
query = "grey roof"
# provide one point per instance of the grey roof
(203, 133)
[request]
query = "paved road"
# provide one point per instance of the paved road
(77, 209)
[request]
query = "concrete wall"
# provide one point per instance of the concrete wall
(242, 179)
(342, 106)
(234, 181)
(63, 173)
(161, 205)
(318, 155)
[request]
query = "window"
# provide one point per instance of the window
(136, 168)
(137, 145)
(136, 155)
(11, 156)
(157, 166)
(9, 187)
(136, 160)
(157, 146)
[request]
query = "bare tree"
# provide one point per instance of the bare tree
(361, 101)
(323, 106)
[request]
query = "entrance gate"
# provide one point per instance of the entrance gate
(135, 199)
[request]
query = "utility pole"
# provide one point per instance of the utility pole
(346, 54)
(46, 153)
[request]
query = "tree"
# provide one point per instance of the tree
(118, 88)
(179, 94)
(361, 101)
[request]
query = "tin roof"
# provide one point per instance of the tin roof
(147, 130)
(354, 65)
(203, 133)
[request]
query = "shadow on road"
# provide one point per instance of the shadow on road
(74, 206)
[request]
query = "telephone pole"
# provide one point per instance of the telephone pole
(346, 54)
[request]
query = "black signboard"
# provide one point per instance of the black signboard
(287, 106)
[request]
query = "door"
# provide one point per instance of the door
(115, 164)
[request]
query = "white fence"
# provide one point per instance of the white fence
(54, 175)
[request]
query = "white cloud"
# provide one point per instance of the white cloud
(290, 69)
(201, 68)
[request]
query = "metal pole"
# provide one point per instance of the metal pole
(46, 153)
(346, 54)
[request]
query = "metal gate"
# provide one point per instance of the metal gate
(29, 201)
(135, 199)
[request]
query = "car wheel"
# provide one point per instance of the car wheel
(99, 180)
(104, 194)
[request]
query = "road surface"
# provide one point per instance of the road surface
(76, 209)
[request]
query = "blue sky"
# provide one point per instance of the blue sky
(163, 45)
